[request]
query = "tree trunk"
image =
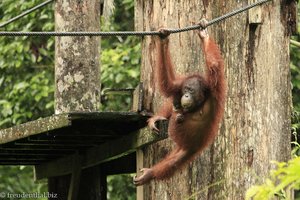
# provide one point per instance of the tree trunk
(77, 58)
(77, 80)
(256, 125)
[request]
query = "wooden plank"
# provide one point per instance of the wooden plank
(34, 128)
(137, 100)
(43, 134)
(108, 116)
(75, 179)
(55, 122)
(109, 151)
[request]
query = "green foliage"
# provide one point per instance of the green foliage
(120, 57)
(295, 72)
(281, 183)
(295, 133)
(119, 189)
(18, 180)
(26, 65)
(120, 69)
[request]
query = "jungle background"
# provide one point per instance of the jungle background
(27, 84)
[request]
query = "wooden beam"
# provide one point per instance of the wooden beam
(137, 98)
(108, 151)
(75, 179)
(34, 127)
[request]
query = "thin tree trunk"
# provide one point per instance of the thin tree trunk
(77, 81)
(256, 125)
(77, 58)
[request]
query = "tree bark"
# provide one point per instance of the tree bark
(77, 58)
(77, 84)
(256, 125)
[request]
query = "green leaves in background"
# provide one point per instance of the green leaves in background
(26, 65)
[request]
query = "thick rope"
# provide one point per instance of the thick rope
(26, 13)
(130, 33)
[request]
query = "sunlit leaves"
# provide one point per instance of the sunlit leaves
(281, 183)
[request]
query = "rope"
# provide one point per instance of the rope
(25, 13)
(131, 33)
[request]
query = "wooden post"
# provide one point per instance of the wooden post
(256, 125)
(75, 179)
(77, 82)
(139, 166)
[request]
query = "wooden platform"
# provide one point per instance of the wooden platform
(59, 140)
(47, 139)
